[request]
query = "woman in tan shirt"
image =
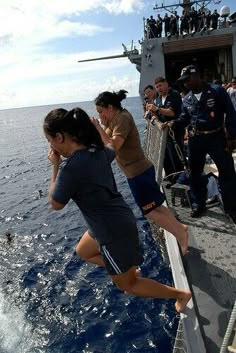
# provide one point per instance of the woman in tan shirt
(121, 133)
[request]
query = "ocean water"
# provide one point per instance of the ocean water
(50, 300)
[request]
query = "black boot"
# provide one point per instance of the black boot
(198, 211)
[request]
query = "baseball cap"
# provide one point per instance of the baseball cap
(187, 71)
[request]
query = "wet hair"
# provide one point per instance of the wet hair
(106, 98)
(76, 123)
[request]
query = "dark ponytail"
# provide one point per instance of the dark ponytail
(107, 98)
(76, 123)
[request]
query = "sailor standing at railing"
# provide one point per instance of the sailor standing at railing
(211, 119)
(232, 91)
(184, 26)
(150, 96)
(166, 21)
(167, 107)
(159, 22)
(193, 20)
(214, 19)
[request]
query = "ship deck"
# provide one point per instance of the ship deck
(210, 271)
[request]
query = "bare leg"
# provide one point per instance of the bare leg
(88, 250)
(145, 287)
(165, 219)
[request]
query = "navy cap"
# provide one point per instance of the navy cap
(187, 71)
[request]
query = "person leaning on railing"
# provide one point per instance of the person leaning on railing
(232, 91)
(167, 107)
(150, 96)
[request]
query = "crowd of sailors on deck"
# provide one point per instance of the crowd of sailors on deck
(201, 116)
(188, 23)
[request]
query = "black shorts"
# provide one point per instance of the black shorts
(121, 254)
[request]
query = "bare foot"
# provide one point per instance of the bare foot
(181, 303)
(184, 243)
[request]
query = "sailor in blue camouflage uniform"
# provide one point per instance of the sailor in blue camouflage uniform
(211, 119)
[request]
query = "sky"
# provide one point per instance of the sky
(41, 42)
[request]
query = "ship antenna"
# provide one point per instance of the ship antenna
(186, 4)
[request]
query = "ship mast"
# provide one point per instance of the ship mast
(186, 4)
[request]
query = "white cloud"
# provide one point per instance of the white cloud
(28, 63)
(24, 29)
(123, 6)
(53, 66)
(35, 21)
(76, 89)
(21, 17)
(52, 79)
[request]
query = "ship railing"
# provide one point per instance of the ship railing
(229, 341)
(148, 33)
(188, 338)
(155, 145)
